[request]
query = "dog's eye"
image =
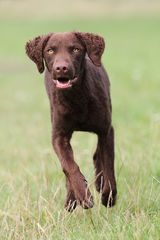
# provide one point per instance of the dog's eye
(50, 51)
(76, 50)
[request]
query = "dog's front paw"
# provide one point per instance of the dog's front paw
(82, 192)
(71, 202)
(87, 202)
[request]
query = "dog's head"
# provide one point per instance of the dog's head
(64, 53)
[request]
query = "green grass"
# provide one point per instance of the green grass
(32, 185)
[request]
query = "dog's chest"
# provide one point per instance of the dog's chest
(73, 107)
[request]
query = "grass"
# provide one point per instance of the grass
(32, 185)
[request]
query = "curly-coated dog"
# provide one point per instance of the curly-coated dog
(79, 93)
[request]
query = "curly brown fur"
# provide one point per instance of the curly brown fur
(34, 50)
(94, 45)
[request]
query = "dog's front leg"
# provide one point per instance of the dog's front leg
(76, 182)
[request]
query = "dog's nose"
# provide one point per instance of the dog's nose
(61, 69)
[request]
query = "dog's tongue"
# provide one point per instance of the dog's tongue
(63, 84)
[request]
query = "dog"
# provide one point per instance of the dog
(78, 88)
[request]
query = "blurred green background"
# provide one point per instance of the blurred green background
(32, 185)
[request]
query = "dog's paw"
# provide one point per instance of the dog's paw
(87, 202)
(109, 198)
(85, 198)
(71, 202)
(83, 194)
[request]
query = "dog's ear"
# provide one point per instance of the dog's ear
(34, 50)
(94, 45)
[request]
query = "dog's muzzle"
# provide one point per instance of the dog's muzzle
(64, 82)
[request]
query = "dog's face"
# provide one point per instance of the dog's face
(63, 54)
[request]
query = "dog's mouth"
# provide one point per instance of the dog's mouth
(64, 82)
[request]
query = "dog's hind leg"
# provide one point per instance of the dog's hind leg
(106, 144)
(99, 178)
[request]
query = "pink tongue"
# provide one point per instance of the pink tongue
(63, 85)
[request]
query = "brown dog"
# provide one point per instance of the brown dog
(79, 92)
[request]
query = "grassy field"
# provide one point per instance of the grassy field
(32, 185)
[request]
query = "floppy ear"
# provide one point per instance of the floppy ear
(34, 50)
(94, 45)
